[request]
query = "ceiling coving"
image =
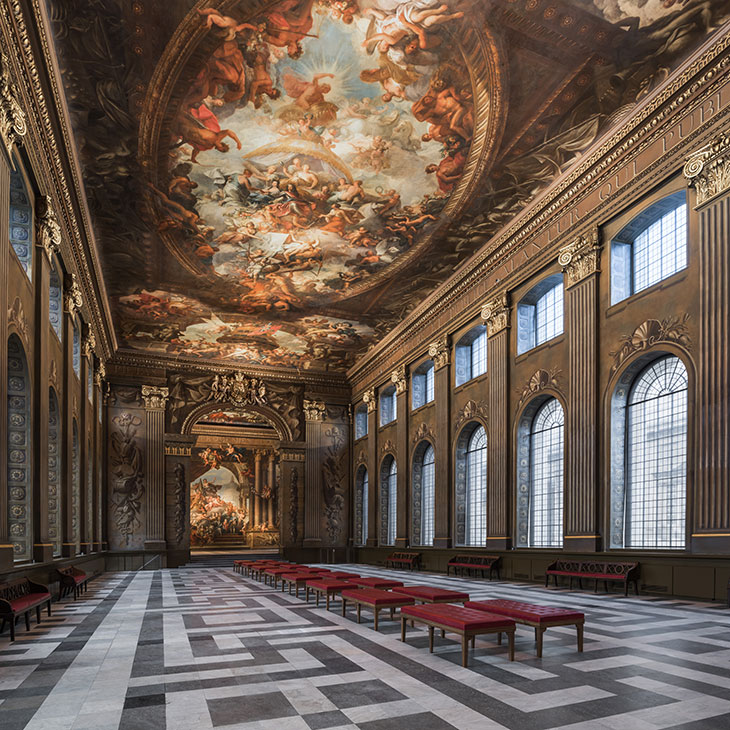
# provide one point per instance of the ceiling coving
(278, 183)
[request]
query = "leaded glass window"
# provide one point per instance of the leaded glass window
(361, 506)
(422, 390)
(55, 304)
(361, 422)
(54, 473)
(428, 495)
(471, 355)
(388, 501)
(476, 488)
(21, 222)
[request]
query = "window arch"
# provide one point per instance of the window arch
(422, 385)
(540, 314)
(546, 476)
(21, 220)
(75, 483)
(423, 496)
(388, 500)
(361, 505)
(651, 248)
(54, 472)
(471, 355)
(649, 455)
(20, 482)
(471, 486)
(361, 421)
(388, 410)
(76, 354)
(55, 303)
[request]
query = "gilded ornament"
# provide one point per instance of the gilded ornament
(369, 399)
(154, 397)
(708, 169)
(649, 333)
(398, 378)
(495, 314)
(314, 410)
(239, 389)
(72, 298)
(49, 231)
(13, 126)
(16, 316)
(471, 410)
(540, 380)
(423, 433)
(88, 345)
(580, 258)
(439, 352)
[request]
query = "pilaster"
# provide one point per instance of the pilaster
(399, 378)
(314, 416)
(155, 401)
(6, 548)
(370, 399)
(440, 352)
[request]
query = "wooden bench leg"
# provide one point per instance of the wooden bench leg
(307, 592)
(327, 602)
(511, 639)
(317, 593)
(12, 627)
(540, 632)
(464, 650)
(430, 639)
(499, 637)
(358, 612)
(37, 614)
(377, 612)
(443, 633)
(473, 640)
(579, 628)
(403, 623)
(27, 620)
(392, 614)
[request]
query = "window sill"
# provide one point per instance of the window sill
(424, 406)
(387, 425)
(653, 289)
(557, 340)
(477, 379)
(360, 438)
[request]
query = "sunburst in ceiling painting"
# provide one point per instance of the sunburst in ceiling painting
(277, 182)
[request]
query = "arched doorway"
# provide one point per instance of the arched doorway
(234, 479)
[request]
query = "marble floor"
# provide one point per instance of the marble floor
(200, 648)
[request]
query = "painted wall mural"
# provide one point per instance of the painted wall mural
(278, 183)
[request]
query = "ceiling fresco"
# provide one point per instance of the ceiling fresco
(279, 183)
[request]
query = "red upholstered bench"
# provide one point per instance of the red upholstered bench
(468, 563)
(297, 580)
(412, 561)
(380, 583)
(466, 622)
(598, 570)
(21, 596)
(256, 569)
(540, 618)
(326, 587)
(429, 594)
(271, 575)
(71, 580)
(374, 599)
(343, 576)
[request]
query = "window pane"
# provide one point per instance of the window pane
(55, 304)
(429, 385)
(476, 488)
(361, 423)
(549, 315)
(428, 481)
(418, 387)
(661, 250)
(364, 535)
(546, 476)
(657, 457)
(21, 222)
(479, 355)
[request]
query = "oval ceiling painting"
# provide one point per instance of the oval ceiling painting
(299, 152)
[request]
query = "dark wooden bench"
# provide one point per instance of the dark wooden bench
(608, 572)
(412, 561)
(72, 580)
(467, 563)
(21, 596)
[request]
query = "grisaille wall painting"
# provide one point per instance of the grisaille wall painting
(278, 183)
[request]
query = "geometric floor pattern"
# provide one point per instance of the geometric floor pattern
(202, 648)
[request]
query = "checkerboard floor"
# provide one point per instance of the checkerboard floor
(205, 648)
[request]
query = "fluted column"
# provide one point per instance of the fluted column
(400, 379)
(580, 260)
(370, 399)
(271, 477)
(708, 171)
(440, 352)
(155, 400)
(496, 316)
(314, 416)
(86, 416)
(256, 500)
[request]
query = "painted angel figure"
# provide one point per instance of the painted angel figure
(231, 26)
(309, 97)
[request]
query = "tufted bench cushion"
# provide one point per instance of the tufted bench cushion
(344, 576)
(327, 586)
(376, 582)
(374, 599)
(429, 594)
(19, 596)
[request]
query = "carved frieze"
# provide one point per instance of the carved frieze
(126, 461)
(471, 410)
(495, 314)
(179, 493)
(369, 399)
(293, 504)
(362, 458)
(16, 316)
(439, 352)
(49, 231)
(334, 482)
(314, 410)
(13, 125)
(423, 432)
(72, 297)
(540, 380)
(649, 333)
(708, 169)
(580, 258)
(399, 379)
(154, 397)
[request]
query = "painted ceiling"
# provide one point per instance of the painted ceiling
(279, 183)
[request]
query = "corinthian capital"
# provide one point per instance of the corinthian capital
(495, 314)
(580, 258)
(708, 169)
(368, 398)
(88, 345)
(49, 232)
(439, 352)
(12, 117)
(154, 397)
(314, 410)
(72, 299)
(398, 378)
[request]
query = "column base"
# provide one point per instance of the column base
(96, 547)
(711, 543)
(401, 543)
(6, 557)
(155, 545)
(499, 543)
(312, 542)
(68, 549)
(443, 543)
(582, 543)
(85, 548)
(43, 552)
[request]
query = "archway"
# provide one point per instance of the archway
(234, 479)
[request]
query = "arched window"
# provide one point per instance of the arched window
(546, 476)
(651, 248)
(423, 495)
(21, 221)
(388, 405)
(75, 483)
(540, 314)
(471, 355)
(388, 501)
(20, 481)
(76, 354)
(361, 421)
(361, 505)
(55, 303)
(54, 473)
(422, 385)
(656, 451)
(471, 486)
